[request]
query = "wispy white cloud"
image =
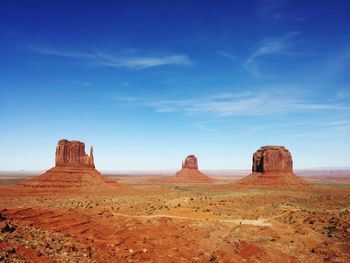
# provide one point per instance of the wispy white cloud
(145, 61)
(268, 47)
(239, 104)
(60, 53)
(129, 60)
(339, 125)
(227, 55)
(340, 61)
(270, 8)
(326, 130)
(277, 10)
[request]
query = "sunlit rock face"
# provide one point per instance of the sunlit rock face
(72, 153)
(272, 159)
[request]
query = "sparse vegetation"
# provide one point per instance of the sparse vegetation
(212, 258)
(189, 218)
(8, 228)
(2, 218)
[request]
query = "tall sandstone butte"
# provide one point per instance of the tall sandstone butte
(272, 166)
(190, 162)
(72, 153)
(189, 171)
(74, 169)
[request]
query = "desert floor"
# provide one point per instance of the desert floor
(145, 221)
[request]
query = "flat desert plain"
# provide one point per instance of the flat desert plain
(144, 219)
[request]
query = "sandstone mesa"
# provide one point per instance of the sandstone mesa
(272, 159)
(272, 166)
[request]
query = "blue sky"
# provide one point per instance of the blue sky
(148, 82)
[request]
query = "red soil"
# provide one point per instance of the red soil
(275, 180)
(70, 178)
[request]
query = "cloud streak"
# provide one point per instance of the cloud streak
(269, 47)
(227, 55)
(146, 61)
(340, 61)
(132, 61)
(277, 10)
(238, 104)
(270, 8)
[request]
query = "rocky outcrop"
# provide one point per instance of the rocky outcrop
(190, 173)
(72, 154)
(272, 159)
(190, 162)
(272, 167)
(74, 170)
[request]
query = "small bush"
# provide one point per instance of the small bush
(8, 228)
(2, 218)
(212, 258)
(331, 229)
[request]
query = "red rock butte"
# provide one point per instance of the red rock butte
(74, 169)
(72, 154)
(272, 166)
(190, 173)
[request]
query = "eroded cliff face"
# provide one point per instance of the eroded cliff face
(190, 162)
(72, 154)
(272, 159)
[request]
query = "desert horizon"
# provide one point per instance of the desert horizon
(70, 212)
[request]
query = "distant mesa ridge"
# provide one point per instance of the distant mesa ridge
(74, 169)
(272, 166)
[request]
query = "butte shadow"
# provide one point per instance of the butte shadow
(272, 167)
(74, 170)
